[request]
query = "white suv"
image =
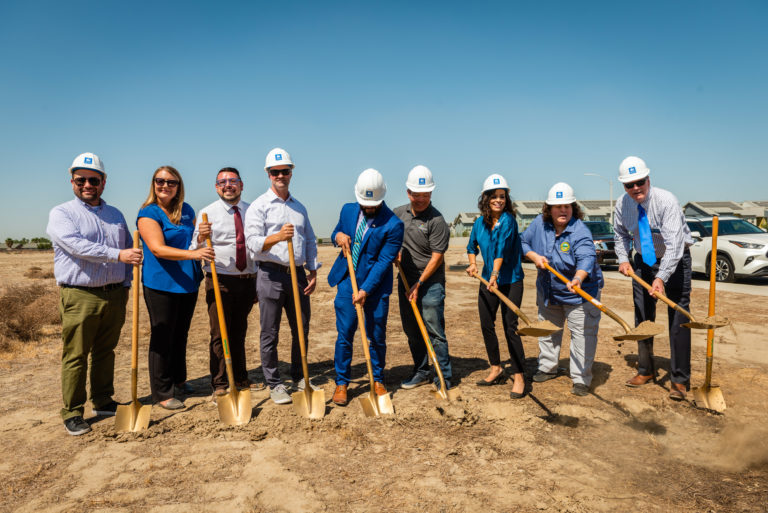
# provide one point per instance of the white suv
(742, 248)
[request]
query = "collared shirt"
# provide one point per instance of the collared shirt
(86, 244)
(221, 215)
(425, 233)
(266, 215)
(362, 219)
(573, 250)
(501, 241)
(670, 233)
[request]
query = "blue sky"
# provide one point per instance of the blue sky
(540, 92)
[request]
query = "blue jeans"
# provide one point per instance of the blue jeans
(431, 304)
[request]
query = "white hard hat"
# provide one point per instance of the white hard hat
(88, 161)
(494, 182)
(560, 194)
(370, 188)
(420, 180)
(632, 169)
(277, 157)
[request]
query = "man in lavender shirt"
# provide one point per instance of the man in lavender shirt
(92, 262)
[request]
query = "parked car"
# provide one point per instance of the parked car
(602, 235)
(742, 248)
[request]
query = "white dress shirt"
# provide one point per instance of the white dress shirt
(266, 215)
(221, 215)
(669, 230)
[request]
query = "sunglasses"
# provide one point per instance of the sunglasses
(278, 172)
(227, 181)
(638, 183)
(92, 180)
(169, 183)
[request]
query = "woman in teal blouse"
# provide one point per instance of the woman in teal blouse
(495, 236)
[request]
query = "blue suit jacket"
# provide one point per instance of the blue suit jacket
(378, 251)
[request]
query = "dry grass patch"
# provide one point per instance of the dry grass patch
(36, 272)
(24, 311)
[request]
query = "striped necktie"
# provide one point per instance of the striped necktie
(358, 241)
(646, 239)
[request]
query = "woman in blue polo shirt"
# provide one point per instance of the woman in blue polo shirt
(559, 237)
(171, 276)
(495, 236)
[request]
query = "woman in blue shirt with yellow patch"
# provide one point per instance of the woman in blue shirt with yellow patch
(559, 237)
(495, 236)
(171, 277)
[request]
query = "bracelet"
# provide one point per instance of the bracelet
(419, 283)
(495, 273)
(577, 278)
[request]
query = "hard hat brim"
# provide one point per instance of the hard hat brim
(635, 177)
(565, 201)
(420, 188)
(75, 168)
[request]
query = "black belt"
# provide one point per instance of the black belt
(110, 286)
(282, 268)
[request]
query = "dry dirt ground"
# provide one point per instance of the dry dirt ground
(616, 449)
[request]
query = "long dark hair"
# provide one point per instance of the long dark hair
(546, 212)
(484, 205)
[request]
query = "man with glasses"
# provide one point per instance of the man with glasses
(272, 219)
(236, 273)
(92, 262)
(651, 219)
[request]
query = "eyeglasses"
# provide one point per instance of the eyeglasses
(169, 183)
(278, 172)
(227, 181)
(638, 183)
(94, 181)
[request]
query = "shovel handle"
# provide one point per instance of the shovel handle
(360, 319)
(135, 323)
(597, 304)
(299, 320)
(505, 299)
(711, 311)
(658, 295)
(220, 313)
(424, 334)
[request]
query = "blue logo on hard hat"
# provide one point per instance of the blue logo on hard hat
(88, 160)
(559, 194)
(422, 181)
(369, 194)
(632, 170)
(496, 181)
(278, 156)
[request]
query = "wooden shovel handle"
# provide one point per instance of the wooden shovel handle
(135, 322)
(658, 295)
(505, 299)
(299, 320)
(360, 318)
(589, 298)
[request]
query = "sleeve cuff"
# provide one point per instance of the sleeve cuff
(113, 255)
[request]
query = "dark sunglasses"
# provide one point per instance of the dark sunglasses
(169, 183)
(638, 183)
(95, 181)
(228, 181)
(278, 172)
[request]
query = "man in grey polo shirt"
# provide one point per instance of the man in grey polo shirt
(424, 244)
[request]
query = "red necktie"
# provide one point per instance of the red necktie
(239, 241)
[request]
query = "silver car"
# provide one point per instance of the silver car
(742, 248)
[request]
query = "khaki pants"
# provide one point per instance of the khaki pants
(91, 321)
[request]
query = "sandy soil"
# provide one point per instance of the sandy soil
(616, 449)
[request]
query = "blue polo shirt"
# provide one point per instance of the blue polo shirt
(573, 250)
(180, 276)
(503, 241)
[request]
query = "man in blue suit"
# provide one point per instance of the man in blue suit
(373, 234)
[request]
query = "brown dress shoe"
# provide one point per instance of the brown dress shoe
(677, 391)
(379, 388)
(340, 395)
(639, 380)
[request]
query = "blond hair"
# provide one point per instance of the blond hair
(176, 203)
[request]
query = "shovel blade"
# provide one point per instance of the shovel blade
(539, 329)
(384, 403)
(132, 417)
(451, 395)
(645, 330)
(369, 405)
(710, 323)
(309, 403)
(709, 397)
(235, 407)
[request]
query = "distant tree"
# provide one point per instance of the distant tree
(9, 242)
(42, 243)
(20, 243)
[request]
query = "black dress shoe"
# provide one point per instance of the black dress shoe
(517, 395)
(498, 380)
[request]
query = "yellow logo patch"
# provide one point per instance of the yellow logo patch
(564, 247)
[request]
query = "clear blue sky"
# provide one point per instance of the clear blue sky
(538, 91)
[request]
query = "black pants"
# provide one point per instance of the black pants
(678, 289)
(488, 305)
(170, 315)
(237, 298)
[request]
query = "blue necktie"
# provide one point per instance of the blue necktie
(358, 242)
(646, 239)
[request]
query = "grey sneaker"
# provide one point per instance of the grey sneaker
(76, 426)
(280, 395)
(416, 381)
(580, 389)
(171, 404)
(300, 385)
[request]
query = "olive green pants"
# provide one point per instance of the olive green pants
(90, 324)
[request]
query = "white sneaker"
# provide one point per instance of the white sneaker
(280, 395)
(300, 385)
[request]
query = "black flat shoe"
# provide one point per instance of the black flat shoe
(498, 380)
(517, 395)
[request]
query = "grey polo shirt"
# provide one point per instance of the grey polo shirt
(425, 234)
